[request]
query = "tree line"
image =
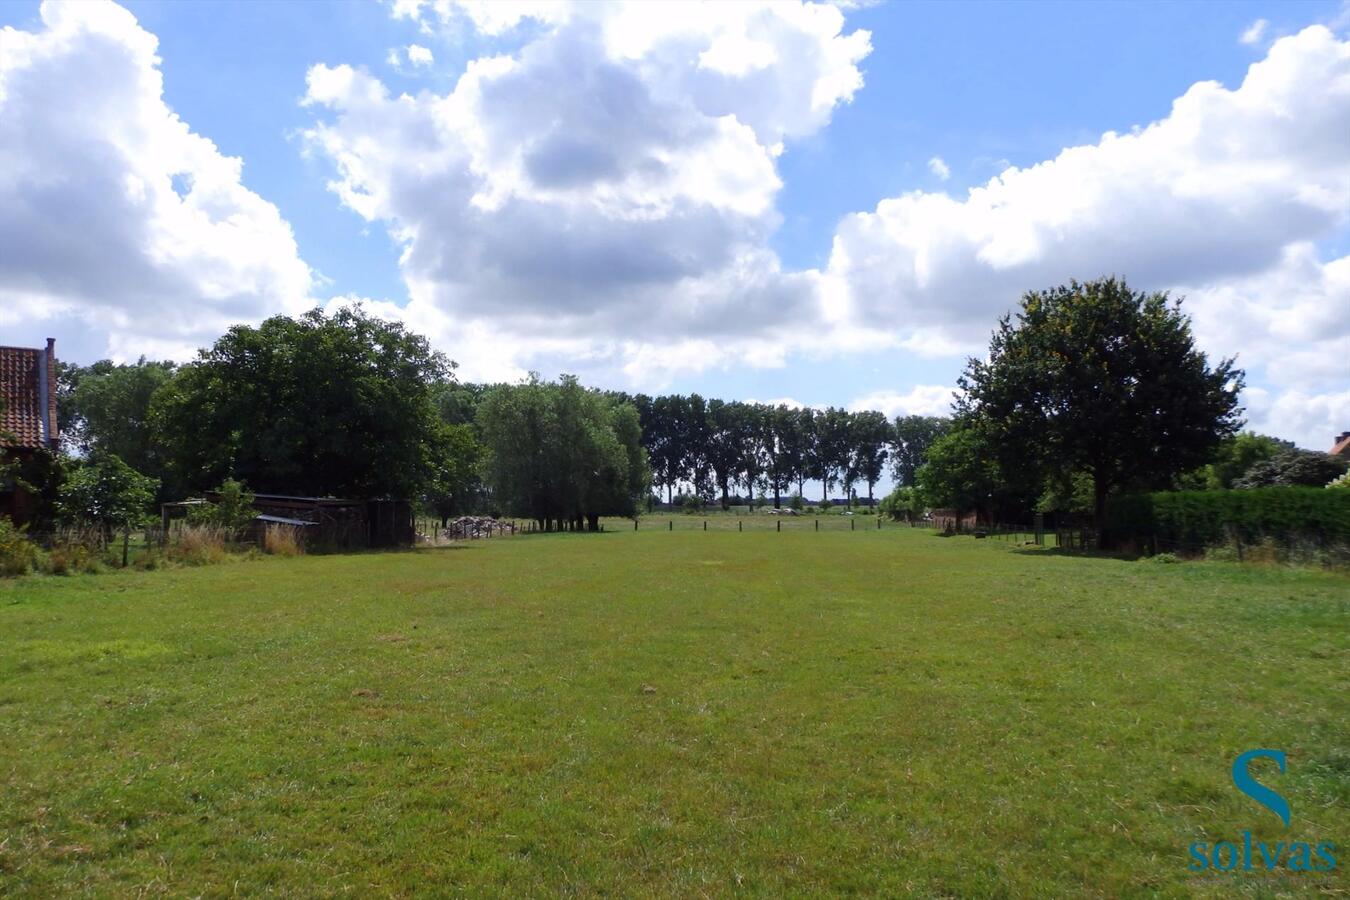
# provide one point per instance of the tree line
(1088, 391)
(351, 405)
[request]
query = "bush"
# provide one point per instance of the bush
(72, 559)
(233, 510)
(198, 545)
(18, 555)
(901, 504)
(690, 503)
(797, 503)
(282, 540)
(1285, 515)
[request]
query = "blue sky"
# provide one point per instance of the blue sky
(754, 263)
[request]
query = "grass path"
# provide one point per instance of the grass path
(668, 714)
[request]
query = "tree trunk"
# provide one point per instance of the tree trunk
(777, 500)
(726, 504)
(592, 521)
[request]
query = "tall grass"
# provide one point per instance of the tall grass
(282, 540)
(198, 545)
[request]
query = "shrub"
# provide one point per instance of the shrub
(198, 545)
(282, 540)
(233, 510)
(1284, 515)
(901, 504)
(75, 551)
(1294, 467)
(1164, 558)
(18, 555)
(690, 503)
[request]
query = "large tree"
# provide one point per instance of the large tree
(1097, 378)
(318, 405)
(108, 411)
(870, 435)
(722, 450)
(561, 454)
(911, 438)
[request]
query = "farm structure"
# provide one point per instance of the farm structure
(324, 522)
(28, 424)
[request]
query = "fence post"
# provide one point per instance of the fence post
(780, 526)
(852, 524)
(739, 523)
(817, 524)
(878, 523)
(126, 542)
(635, 521)
(705, 524)
(671, 523)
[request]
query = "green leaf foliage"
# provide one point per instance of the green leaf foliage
(340, 405)
(1202, 518)
(107, 493)
(561, 454)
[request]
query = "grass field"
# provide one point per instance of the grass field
(669, 714)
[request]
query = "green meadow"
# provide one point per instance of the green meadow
(669, 714)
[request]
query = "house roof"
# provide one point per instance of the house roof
(28, 395)
(1342, 447)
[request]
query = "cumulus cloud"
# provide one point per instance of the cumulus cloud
(628, 214)
(1223, 200)
(113, 212)
(419, 56)
(921, 400)
(939, 168)
(1254, 32)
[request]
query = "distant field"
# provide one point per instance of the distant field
(684, 714)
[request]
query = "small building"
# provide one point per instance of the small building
(1341, 446)
(28, 422)
(329, 523)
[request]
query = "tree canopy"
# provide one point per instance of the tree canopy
(1294, 468)
(561, 454)
(339, 405)
(1097, 378)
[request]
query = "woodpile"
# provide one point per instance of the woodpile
(472, 527)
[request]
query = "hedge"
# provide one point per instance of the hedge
(1206, 518)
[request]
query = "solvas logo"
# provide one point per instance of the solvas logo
(1246, 854)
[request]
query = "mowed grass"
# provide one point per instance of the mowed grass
(679, 714)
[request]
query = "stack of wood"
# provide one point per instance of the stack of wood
(470, 527)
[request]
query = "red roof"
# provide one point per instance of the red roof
(28, 397)
(1342, 447)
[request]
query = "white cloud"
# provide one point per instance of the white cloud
(419, 56)
(1222, 200)
(624, 219)
(921, 400)
(1254, 32)
(939, 168)
(1311, 420)
(112, 211)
